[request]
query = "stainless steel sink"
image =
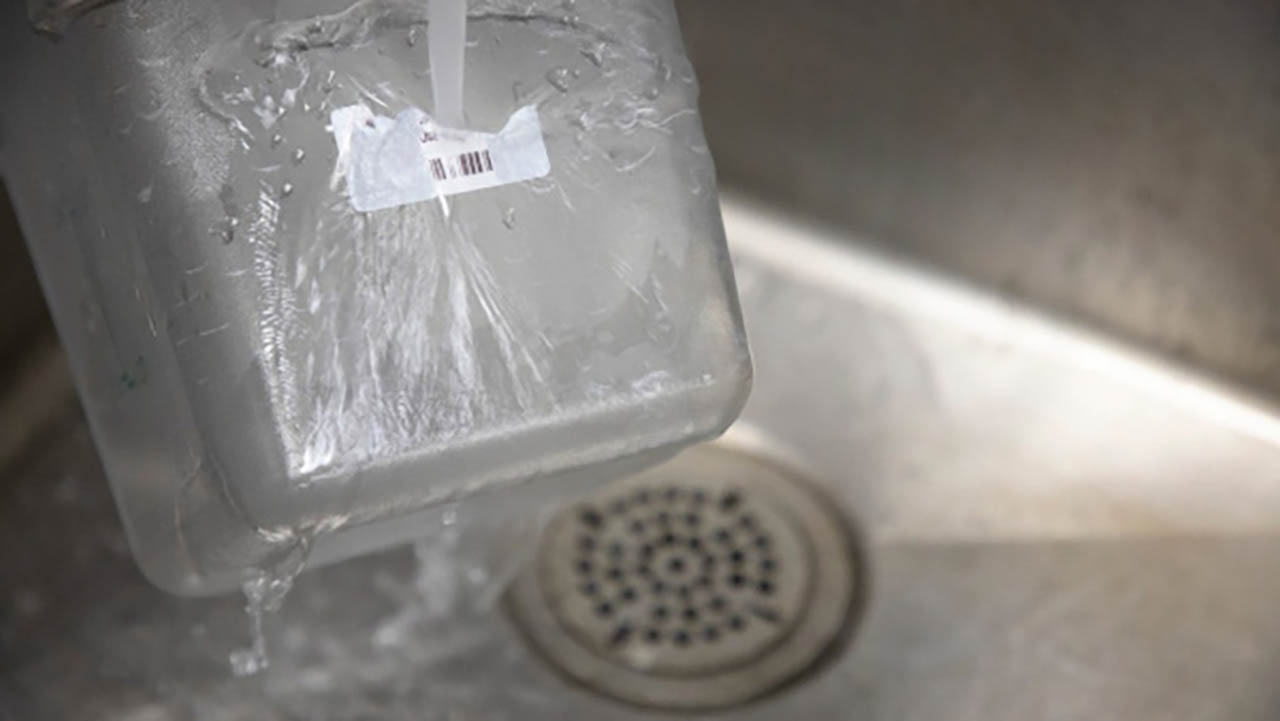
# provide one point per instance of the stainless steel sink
(1041, 392)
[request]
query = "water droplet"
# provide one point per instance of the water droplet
(276, 140)
(509, 218)
(450, 516)
(247, 662)
(560, 78)
(286, 190)
(595, 54)
(412, 39)
(264, 593)
(299, 155)
(663, 70)
(273, 58)
(144, 195)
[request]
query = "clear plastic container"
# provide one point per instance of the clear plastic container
(263, 365)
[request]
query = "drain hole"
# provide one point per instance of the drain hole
(691, 614)
(620, 636)
(676, 565)
(653, 635)
(637, 527)
(737, 580)
(730, 501)
(589, 589)
(766, 587)
(660, 613)
(747, 522)
(642, 496)
(604, 610)
(584, 566)
(615, 574)
(737, 623)
(591, 518)
(671, 494)
(718, 604)
(618, 507)
(659, 587)
(710, 633)
(768, 565)
(681, 638)
(628, 594)
(737, 557)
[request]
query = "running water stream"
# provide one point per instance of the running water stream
(266, 588)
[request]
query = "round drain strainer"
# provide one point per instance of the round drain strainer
(705, 582)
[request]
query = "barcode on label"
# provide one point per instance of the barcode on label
(461, 166)
(394, 161)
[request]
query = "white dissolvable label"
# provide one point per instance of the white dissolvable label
(389, 162)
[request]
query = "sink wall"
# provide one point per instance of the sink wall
(1114, 163)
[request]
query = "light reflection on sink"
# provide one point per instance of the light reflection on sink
(1055, 527)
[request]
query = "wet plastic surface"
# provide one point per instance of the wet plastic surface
(263, 365)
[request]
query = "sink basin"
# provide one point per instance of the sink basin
(1041, 396)
(1054, 526)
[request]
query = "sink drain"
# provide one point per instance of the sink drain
(703, 583)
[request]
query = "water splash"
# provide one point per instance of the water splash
(560, 78)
